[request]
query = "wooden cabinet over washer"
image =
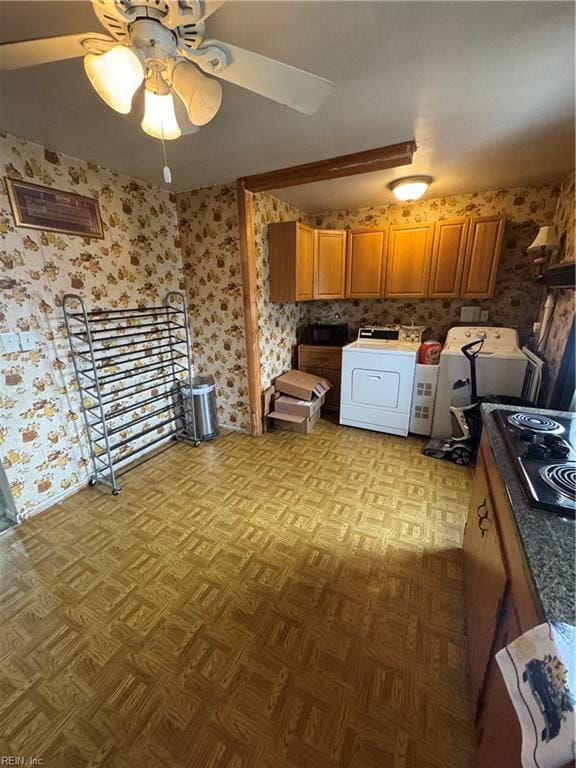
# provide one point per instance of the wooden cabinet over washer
(408, 261)
(365, 263)
(448, 253)
(291, 256)
(483, 248)
(445, 259)
(329, 264)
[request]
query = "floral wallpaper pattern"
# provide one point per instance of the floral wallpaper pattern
(42, 442)
(278, 323)
(563, 316)
(209, 237)
(516, 295)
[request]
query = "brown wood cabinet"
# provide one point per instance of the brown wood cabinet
(486, 578)
(291, 255)
(448, 253)
(365, 263)
(446, 259)
(408, 261)
(325, 362)
(483, 249)
(498, 746)
(501, 605)
(329, 264)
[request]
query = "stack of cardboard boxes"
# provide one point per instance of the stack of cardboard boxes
(295, 400)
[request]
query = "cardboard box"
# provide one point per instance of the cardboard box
(306, 408)
(268, 397)
(303, 386)
(290, 423)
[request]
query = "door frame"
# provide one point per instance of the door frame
(367, 161)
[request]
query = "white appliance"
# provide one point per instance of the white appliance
(500, 368)
(377, 378)
(423, 399)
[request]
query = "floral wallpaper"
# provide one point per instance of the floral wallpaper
(563, 316)
(42, 441)
(209, 237)
(278, 322)
(516, 295)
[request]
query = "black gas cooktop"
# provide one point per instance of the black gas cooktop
(543, 448)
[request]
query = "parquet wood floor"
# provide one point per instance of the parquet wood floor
(285, 602)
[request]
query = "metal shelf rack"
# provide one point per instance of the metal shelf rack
(131, 365)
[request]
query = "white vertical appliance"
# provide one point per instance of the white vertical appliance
(378, 377)
(500, 368)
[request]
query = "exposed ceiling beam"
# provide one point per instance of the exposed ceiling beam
(370, 160)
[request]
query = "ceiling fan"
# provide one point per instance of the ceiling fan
(161, 43)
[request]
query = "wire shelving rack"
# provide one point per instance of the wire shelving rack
(132, 366)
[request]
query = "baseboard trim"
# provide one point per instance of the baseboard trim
(51, 502)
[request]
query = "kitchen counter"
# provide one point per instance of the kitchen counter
(549, 540)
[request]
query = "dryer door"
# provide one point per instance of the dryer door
(375, 388)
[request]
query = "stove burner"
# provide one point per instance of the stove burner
(562, 478)
(535, 422)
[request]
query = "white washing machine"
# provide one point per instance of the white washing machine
(377, 378)
(500, 368)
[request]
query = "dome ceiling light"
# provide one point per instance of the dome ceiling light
(410, 187)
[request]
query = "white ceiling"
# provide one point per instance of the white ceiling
(485, 88)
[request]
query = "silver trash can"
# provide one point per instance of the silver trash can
(205, 413)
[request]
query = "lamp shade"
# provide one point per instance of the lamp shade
(159, 116)
(115, 76)
(410, 188)
(546, 238)
(200, 95)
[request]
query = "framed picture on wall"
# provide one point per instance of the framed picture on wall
(38, 207)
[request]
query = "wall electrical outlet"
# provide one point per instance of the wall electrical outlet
(469, 314)
(484, 316)
(27, 340)
(10, 342)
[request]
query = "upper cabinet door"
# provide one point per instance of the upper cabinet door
(304, 263)
(291, 259)
(483, 248)
(365, 264)
(408, 261)
(448, 254)
(330, 264)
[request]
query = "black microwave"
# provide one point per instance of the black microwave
(327, 334)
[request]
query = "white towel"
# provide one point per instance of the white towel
(539, 669)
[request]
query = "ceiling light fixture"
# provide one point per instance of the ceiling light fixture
(410, 188)
(200, 95)
(159, 116)
(115, 76)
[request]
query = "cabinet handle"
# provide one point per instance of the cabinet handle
(482, 517)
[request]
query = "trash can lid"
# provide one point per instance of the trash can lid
(201, 385)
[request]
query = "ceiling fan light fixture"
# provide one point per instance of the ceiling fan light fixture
(410, 187)
(115, 76)
(159, 116)
(201, 95)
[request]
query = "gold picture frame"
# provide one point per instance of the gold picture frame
(54, 210)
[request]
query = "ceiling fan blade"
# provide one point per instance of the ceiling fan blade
(270, 78)
(210, 7)
(44, 50)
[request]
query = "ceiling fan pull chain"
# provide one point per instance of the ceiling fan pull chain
(166, 170)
